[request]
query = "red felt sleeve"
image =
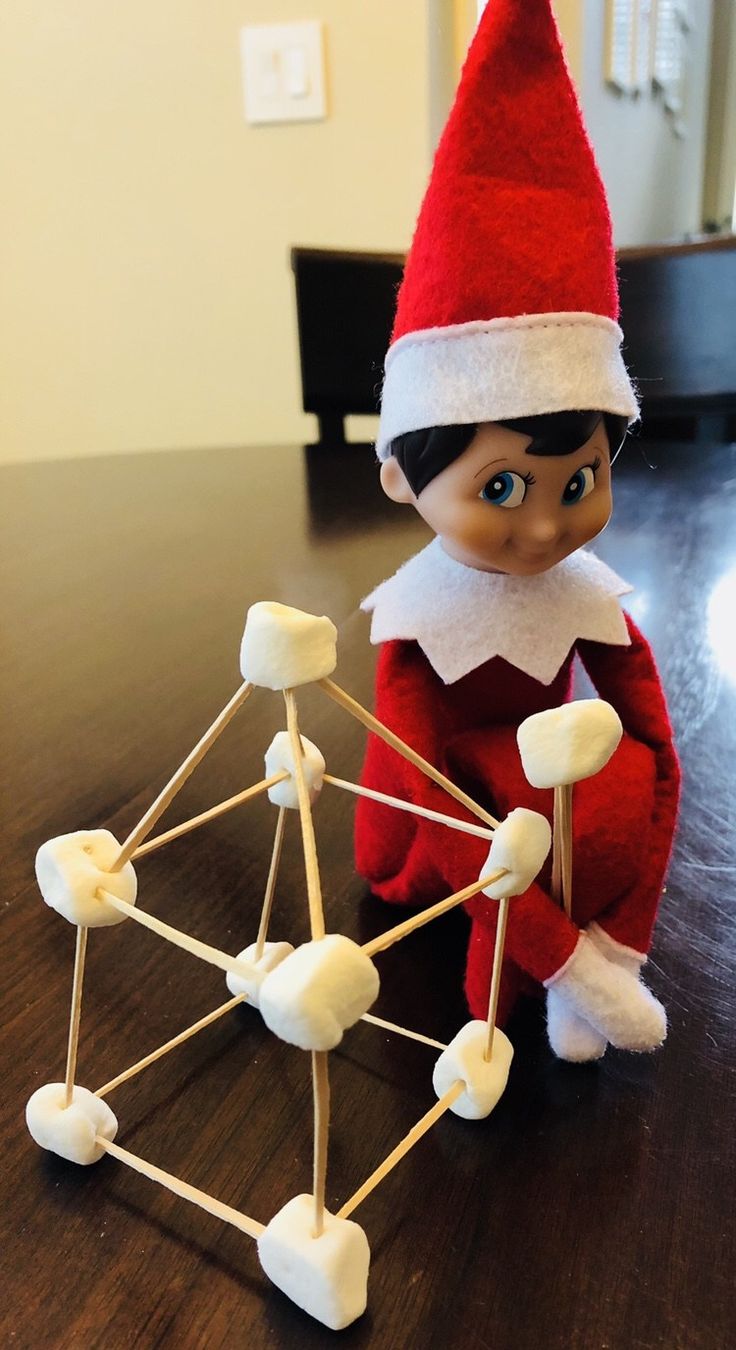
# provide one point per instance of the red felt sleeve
(406, 859)
(627, 677)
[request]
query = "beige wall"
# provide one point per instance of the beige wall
(145, 292)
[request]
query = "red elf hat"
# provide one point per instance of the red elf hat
(509, 300)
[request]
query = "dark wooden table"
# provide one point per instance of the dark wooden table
(594, 1209)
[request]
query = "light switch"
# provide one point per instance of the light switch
(283, 72)
(296, 74)
(268, 76)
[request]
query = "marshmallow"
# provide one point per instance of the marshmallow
(563, 745)
(71, 868)
(279, 757)
(327, 1276)
(319, 991)
(484, 1080)
(70, 1131)
(273, 954)
(283, 647)
(520, 844)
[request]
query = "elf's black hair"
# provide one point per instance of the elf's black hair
(423, 454)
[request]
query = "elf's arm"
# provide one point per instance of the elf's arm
(409, 860)
(627, 677)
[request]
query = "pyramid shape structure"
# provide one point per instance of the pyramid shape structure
(308, 996)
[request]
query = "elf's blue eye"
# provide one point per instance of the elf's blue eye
(505, 489)
(579, 486)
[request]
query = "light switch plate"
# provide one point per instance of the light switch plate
(283, 72)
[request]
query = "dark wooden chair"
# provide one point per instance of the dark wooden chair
(678, 313)
(345, 305)
(678, 303)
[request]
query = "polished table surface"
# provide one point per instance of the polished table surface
(594, 1210)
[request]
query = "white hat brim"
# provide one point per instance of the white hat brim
(503, 368)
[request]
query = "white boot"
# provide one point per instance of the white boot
(570, 1036)
(610, 998)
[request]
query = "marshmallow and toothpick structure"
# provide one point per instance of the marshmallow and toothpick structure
(309, 996)
(559, 747)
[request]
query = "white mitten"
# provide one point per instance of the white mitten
(569, 1035)
(610, 998)
(625, 957)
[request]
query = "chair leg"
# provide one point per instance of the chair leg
(331, 428)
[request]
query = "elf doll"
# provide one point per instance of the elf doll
(505, 401)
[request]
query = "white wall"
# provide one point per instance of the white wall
(720, 174)
(654, 180)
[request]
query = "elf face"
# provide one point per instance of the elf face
(500, 509)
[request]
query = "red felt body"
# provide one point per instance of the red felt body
(514, 166)
(623, 819)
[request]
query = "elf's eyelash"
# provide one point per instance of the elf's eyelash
(581, 484)
(529, 478)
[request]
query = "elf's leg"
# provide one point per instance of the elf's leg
(415, 862)
(590, 999)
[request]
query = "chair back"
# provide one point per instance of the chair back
(678, 303)
(678, 314)
(345, 304)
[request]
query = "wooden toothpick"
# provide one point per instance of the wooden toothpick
(501, 921)
(320, 1071)
(402, 930)
(178, 779)
(401, 1150)
(182, 1188)
(80, 954)
(314, 888)
(211, 814)
(402, 1031)
(372, 723)
(562, 848)
(321, 1102)
(169, 1045)
(465, 826)
(567, 850)
(202, 950)
(270, 884)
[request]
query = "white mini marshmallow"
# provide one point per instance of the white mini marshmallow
(484, 1081)
(520, 844)
(284, 647)
(327, 1276)
(71, 868)
(279, 756)
(319, 991)
(70, 1131)
(564, 745)
(273, 954)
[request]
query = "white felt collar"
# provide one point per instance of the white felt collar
(461, 617)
